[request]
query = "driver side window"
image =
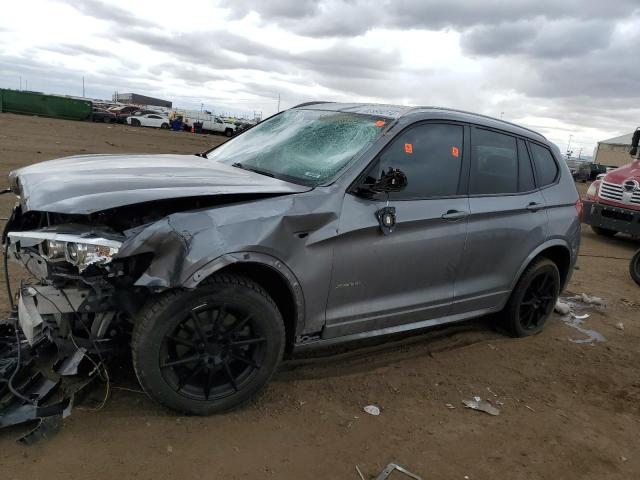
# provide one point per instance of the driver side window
(430, 156)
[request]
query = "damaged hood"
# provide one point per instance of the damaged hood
(86, 184)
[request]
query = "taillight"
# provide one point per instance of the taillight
(580, 208)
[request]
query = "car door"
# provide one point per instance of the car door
(507, 221)
(406, 276)
(154, 120)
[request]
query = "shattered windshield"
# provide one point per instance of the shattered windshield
(304, 146)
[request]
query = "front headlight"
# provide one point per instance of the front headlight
(83, 255)
(592, 191)
(78, 250)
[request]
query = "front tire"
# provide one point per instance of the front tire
(634, 267)
(208, 350)
(135, 122)
(605, 232)
(533, 299)
(228, 132)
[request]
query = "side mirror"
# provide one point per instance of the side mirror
(393, 180)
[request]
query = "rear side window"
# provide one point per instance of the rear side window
(494, 163)
(525, 172)
(430, 156)
(546, 166)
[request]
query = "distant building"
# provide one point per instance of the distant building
(137, 99)
(613, 152)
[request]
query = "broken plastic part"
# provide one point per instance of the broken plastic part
(478, 404)
(389, 469)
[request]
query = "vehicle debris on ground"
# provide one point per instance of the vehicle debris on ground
(476, 403)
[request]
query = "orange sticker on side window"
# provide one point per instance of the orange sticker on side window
(408, 148)
(379, 123)
(455, 152)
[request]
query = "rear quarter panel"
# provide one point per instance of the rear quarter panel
(561, 198)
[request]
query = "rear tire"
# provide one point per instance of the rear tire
(634, 267)
(164, 126)
(208, 350)
(228, 132)
(605, 232)
(533, 299)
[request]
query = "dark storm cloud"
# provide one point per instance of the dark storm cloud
(608, 73)
(196, 47)
(107, 11)
(539, 38)
(227, 51)
(354, 17)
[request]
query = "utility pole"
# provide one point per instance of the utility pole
(20, 82)
(580, 153)
(501, 115)
(83, 86)
(278, 102)
(569, 144)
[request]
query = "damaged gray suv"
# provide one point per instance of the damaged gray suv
(325, 223)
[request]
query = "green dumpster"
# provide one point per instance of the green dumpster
(32, 103)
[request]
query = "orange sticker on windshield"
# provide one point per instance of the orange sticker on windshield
(379, 123)
(408, 148)
(455, 152)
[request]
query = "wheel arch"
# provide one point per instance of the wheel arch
(559, 252)
(272, 275)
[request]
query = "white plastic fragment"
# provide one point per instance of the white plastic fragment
(481, 405)
(620, 326)
(562, 308)
(592, 300)
(372, 410)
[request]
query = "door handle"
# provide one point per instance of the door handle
(454, 215)
(535, 206)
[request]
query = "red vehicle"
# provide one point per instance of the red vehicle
(612, 203)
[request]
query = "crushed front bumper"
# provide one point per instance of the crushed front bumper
(38, 379)
(613, 218)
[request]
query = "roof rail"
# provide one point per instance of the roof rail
(306, 104)
(413, 109)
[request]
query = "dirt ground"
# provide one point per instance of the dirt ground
(569, 410)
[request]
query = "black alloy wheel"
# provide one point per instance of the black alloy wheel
(533, 298)
(208, 350)
(213, 352)
(538, 301)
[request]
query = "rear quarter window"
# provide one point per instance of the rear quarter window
(546, 166)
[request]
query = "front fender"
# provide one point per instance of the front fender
(255, 258)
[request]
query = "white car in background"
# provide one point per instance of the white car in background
(149, 120)
(212, 124)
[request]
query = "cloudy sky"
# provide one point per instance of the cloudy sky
(563, 67)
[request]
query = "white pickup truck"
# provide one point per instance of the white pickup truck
(211, 123)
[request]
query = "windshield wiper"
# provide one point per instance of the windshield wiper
(253, 169)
